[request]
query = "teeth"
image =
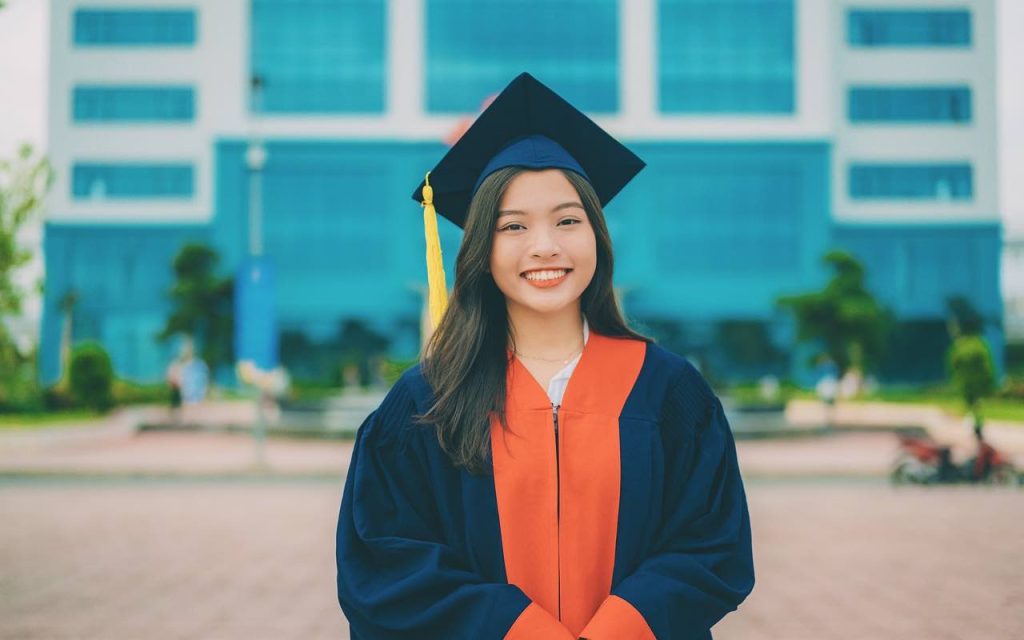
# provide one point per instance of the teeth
(546, 275)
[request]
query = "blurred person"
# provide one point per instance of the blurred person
(544, 471)
(195, 378)
(173, 378)
(828, 381)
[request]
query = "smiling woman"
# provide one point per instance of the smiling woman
(545, 472)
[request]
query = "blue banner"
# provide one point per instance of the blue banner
(255, 315)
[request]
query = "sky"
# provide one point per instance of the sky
(23, 62)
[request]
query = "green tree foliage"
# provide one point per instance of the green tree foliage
(844, 317)
(91, 377)
(202, 305)
(23, 185)
(971, 369)
(968, 359)
(969, 362)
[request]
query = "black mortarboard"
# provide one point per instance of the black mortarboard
(528, 125)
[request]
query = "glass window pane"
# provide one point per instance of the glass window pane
(475, 47)
(94, 181)
(319, 56)
(726, 56)
(909, 104)
(133, 27)
(113, 103)
(902, 28)
(911, 181)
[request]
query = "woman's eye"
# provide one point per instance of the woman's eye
(515, 226)
(569, 221)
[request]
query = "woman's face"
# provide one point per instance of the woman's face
(544, 252)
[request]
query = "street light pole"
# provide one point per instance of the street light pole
(255, 161)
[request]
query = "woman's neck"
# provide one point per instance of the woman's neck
(547, 336)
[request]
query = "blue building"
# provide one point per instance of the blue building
(774, 130)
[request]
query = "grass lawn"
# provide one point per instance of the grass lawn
(1008, 409)
(992, 408)
(43, 420)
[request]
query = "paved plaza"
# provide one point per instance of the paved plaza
(118, 558)
(108, 534)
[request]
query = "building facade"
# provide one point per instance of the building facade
(773, 131)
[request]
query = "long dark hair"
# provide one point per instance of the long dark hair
(466, 360)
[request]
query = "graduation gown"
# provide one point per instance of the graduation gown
(618, 515)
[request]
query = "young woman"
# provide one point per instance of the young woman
(545, 472)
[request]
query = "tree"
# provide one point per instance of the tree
(844, 317)
(969, 360)
(23, 186)
(202, 305)
(91, 377)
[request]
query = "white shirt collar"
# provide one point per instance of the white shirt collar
(558, 383)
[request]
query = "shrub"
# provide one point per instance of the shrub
(57, 399)
(127, 392)
(970, 367)
(91, 377)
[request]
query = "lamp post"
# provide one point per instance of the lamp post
(255, 160)
(255, 331)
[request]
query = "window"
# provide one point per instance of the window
(475, 47)
(911, 181)
(131, 27)
(319, 56)
(726, 56)
(309, 232)
(91, 181)
(108, 103)
(902, 28)
(909, 104)
(745, 210)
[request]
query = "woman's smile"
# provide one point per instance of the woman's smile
(546, 278)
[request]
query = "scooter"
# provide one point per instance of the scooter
(923, 461)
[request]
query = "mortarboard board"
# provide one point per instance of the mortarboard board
(527, 125)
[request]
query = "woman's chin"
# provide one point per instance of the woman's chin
(545, 307)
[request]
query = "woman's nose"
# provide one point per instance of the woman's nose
(545, 244)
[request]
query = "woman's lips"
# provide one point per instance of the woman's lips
(549, 282)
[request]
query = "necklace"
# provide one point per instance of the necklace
(561, 360)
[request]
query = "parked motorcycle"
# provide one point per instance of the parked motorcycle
(921, 460)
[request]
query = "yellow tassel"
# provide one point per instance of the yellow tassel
(438, 290)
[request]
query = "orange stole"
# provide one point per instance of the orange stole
(563, 562)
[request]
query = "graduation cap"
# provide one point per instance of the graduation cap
(527, 125)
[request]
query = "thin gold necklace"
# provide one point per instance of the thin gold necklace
(561, 360)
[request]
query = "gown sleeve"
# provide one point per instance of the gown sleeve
(701, 567)
(397, 579)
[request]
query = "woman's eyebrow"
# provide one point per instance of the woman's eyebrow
(516, 212)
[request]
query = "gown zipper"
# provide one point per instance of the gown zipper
(558, 506)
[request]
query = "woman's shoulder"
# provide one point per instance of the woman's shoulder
(395, 417)
(677, 370)
(686, 391)
(413, 383)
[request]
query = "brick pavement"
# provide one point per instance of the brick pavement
(167, 559)
(99, 553)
